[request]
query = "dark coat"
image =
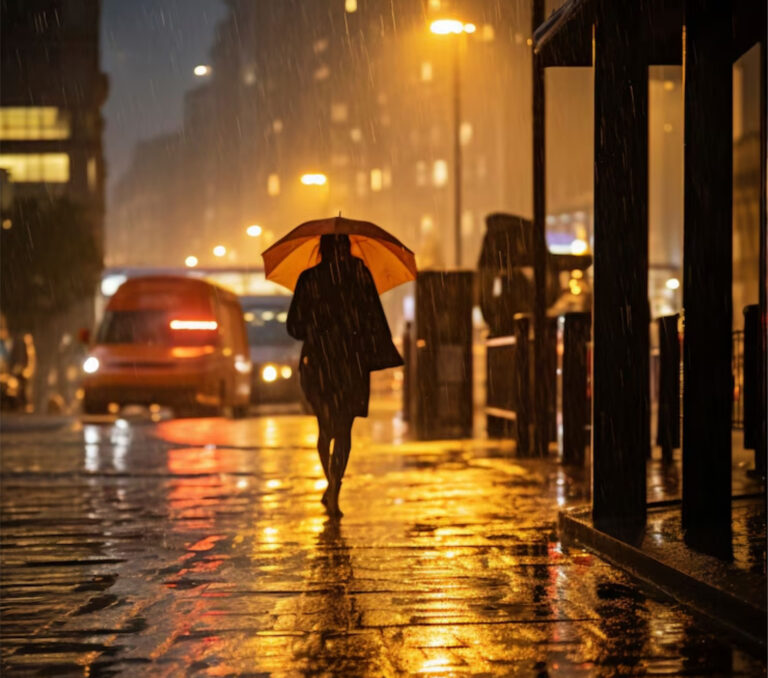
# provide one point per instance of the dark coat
(337, 312)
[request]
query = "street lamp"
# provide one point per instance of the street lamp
(316, 179)
(459, 28)
(219, 251)
(191, 261)
(201, 70)
(254, 230)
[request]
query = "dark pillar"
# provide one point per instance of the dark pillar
(620, 417)
(707, 377)
(540, 394)
(668, 417)
(762, 449)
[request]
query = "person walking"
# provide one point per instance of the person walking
(337, 313)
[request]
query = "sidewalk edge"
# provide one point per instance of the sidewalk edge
(747, 621)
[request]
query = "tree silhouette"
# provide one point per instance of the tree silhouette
(51, 259)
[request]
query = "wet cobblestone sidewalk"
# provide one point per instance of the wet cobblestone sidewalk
(201, 548)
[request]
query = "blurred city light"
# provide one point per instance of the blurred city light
(579, 246)
(448, 26)
(672, 284)
(219, 251)
(191, 261)
(254, 230)
(269, 373)
(91, 365)
(110, 283)
(202, 70)
(314, 179)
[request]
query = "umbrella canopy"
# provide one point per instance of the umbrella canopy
(390, 262)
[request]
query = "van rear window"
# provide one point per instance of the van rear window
(150, 328)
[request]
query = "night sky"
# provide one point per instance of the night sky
(148, 50)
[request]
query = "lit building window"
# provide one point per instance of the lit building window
(426, 71)
(421, 173)
(92, 173)
(322, 73)
(487, 33)
(376, 179)
(277, 126)
(30, 123)
(427, 224)
(387, 177)
(356, 134)
(361, 183)
(350, 5)
(273, 184)
(249, 75)
(440, 173)
(49, 168)
(339, 112)
(482, 167)
(465, 133)
(467, 223)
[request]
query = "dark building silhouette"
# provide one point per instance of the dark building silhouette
(51, 145)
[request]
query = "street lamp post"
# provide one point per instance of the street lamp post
(460, 29)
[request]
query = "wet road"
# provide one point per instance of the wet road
(200, 547)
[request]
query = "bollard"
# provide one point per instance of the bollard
(574, 330)
(754, 408)
(521, 381)
(668, 416)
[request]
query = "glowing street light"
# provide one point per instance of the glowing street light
(201, 70)
(254, 230)
(448, 26)
(314, 179)
(219, 251)
(461, 29)
(191, 261)
(672, 284)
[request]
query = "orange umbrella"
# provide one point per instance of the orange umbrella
(390, 262)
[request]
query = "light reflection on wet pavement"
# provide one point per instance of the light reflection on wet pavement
(201, 547)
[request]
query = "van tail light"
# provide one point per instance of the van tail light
(194, 325)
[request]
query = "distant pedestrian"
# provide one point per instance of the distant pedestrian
(336, 311)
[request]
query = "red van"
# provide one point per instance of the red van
(169, 340)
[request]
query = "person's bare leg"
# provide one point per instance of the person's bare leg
(342, 444)
(324, 451)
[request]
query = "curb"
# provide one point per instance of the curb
(742, 617)
(31, 423)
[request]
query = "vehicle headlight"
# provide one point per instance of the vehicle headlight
(91, 364)
(242, 365)
(269, 373)
(286, 372)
